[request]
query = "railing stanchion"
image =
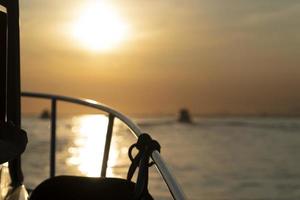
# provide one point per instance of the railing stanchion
(53, 137)
(107, 144)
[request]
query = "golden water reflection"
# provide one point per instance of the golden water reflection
(88, 147)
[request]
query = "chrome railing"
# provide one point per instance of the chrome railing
(170, 180)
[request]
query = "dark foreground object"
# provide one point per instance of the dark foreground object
(85, 188)
(184, 116)
(13, 141)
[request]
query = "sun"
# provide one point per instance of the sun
(100, 28)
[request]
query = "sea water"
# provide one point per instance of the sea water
(213, 158)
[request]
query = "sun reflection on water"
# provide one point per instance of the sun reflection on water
(87, 150)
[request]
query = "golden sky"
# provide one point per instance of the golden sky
(233, 56)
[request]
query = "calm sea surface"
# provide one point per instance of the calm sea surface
(213, 159)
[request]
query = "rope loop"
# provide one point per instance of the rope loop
(145, 146)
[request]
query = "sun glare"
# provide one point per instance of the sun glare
(99, 28)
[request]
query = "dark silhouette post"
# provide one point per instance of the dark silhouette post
(13, 81)
(3, 29)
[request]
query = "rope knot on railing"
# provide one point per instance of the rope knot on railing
(145, 146)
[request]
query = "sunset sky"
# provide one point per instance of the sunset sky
(233, 56)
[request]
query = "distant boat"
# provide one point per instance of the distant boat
(184, 116)
(45, 114)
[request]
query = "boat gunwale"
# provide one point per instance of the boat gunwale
(174, 188)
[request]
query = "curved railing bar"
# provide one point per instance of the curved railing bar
(89, 103)
(170, 180)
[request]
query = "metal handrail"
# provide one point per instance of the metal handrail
(170, 180)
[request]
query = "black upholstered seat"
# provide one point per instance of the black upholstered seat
(85, 188)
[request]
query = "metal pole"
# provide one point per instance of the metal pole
(3, 31)
(13, 64)
(13, 82)
(107, 144)
(53, 137)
